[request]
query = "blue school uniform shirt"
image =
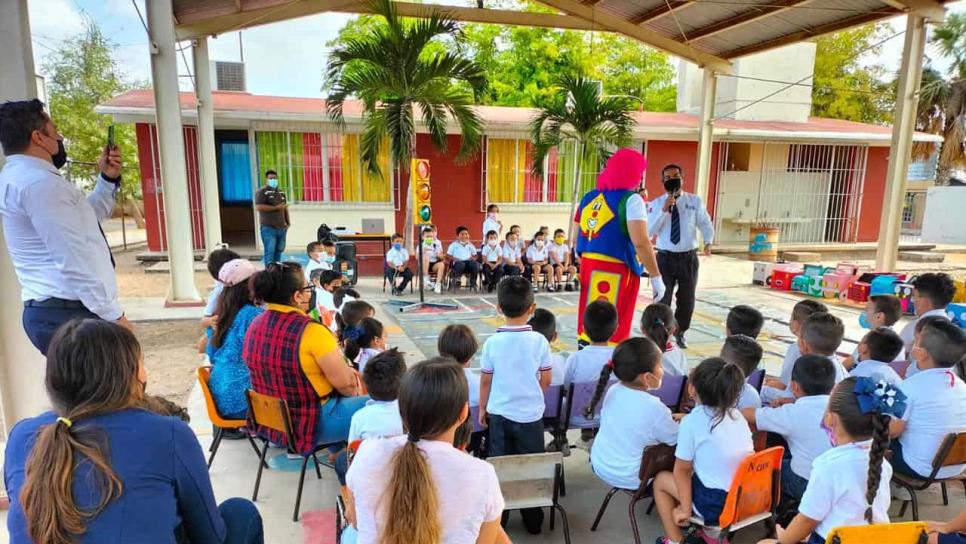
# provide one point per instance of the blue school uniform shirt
(160, 464)
(229, 373)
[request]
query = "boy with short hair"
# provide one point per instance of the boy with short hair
(877, 348)
(462, 254)
(600, 322)
(744, 352)
(880, 311)
(433, 259)
(562, 261)
(397, 265)
(778, 388)
(316, 259)
(515, 371)
(492, 255)
(512, 255)
(931, 293)
(326, 282)
(544, 322)
(822, 334)
(799, 423)
(743, 319)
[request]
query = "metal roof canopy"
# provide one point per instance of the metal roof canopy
(702, 31)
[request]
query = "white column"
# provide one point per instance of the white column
(709, 84)
(21, 365)
(206, 145)
(910, 74)
(177, 219)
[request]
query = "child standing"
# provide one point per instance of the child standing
(515, 371)
(492, 255)
(433, 259)
(463, 255)
(713, 440)
(849, 484)
(538, 257)
(746, 353)
(512, 255)
(561, 260)
(744, 320)
(370, 341)
(544, 322)
(657, 323)
(397, 265)
(616, 455)
(878, 346)
(775, 389)
(600, 322)
(492, 221)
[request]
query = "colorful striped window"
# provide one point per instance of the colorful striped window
(509, 179)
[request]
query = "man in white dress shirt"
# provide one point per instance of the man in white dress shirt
(675, 218)
(53, 232)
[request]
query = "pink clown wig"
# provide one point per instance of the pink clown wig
(623, 171)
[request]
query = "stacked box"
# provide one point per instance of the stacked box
(762, 273)
(783, 274)
(957, 314)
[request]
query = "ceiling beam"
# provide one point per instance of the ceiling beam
(930, 9)
(750, 16)
(660, 11)
(622, 26)
(489, 16)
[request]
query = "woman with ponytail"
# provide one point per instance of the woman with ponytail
(849, 484)
(657, 323)
(418, 488)
(100, 467)
(616, 455)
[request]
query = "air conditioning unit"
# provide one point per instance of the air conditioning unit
(228, 76)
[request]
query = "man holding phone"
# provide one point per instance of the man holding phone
(675, 219)
(52, 230)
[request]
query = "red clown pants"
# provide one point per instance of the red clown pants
(613, 282)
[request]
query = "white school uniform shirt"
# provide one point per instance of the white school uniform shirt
(835, 495)
(585, 365)
(935, 407)
(716, 453)
(467, 488)
(800, 424)
(211, 306)
(749, 397)
(877, 370)
(324, 300)
(461, 252)
(377, 419)
(491, 224)
(364, 355)
(675, 362)
(511, 254)
(492, 254)
(473, 380)
(397, 257)
(769, 393)
(630, 421)
(908, 336)
(53, 235)
(433, 252)
(515, 356)
(534, 254)
(315, 265)
(560, 252)
(558, 374)
(694, 217)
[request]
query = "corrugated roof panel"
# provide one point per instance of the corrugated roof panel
(628, 9)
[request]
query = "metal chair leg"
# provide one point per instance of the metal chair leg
(603, 506)
(563, 482)
(214, 445)
(902, 509)
(915, 506)
(318, 471)
(261, 466)
(298, 494)
(632, 515)
(650, 507)
(563, 519)
(214, 436)
(942, 486)
(255, 447)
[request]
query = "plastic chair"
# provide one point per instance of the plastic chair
(881, 533)
(475, 415)
(273, 413)
(579, 396)
(753, 495)
(532, 481)
(553, 399)
(757, 379)
(221, 423)
(671, 392)
(952, 451)
(654, 459)
(900, 367)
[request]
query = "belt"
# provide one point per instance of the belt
(54, 302)
(668, 252)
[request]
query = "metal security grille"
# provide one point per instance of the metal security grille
(812, 192)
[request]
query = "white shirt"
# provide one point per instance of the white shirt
(491, 224)
(515, 356)
(536, 255)
(53, 235)
(716, 453)
(315, 265)
(935, 407)
(585, 365)
(877, 370)
(800, 424)
(211, 306)
(511, 254)
(769, 393)
(461, 252)
(467, 489)
(559, 252)
(908, 336)
(749, 397)
(492, 254)
(675, 362)
(558, 374)
(693, 215)
(433, 251)
(324, 300)
(630, 421)
(364, 355)
(835, 495)
(473, 380)
(377, 419)
(397, 257)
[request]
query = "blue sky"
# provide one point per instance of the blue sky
(282, 59)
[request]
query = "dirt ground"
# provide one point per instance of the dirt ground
(171, 356)
(132, 281)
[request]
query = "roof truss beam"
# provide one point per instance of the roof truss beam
(754, 14)
(660, 11)
(930, 9)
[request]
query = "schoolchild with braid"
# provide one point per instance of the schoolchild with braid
(657, 323)
(616, 455)
(849, 484)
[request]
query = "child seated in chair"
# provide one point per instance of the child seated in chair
(658, 324)
(544, 322)
(877, 348)
(492, 255)
(561, 261)
(512, 254)
(746, 353)
(369, 342)
(778, 388)
(325, 283)
(459, 342)
(397, 266)
(538, 258)
(585, 366)
(434, 260)
(880, 311)
(743, 319)
(462, 254)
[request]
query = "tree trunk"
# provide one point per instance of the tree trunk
(575, 198)
(408, 233)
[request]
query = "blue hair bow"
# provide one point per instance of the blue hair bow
(353, 333)
(879, 397)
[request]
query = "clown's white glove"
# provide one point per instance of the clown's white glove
(658, 288)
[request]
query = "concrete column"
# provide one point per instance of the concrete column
(910, 74)
(21, 365)
(208, 170)
(709, 85)
(177, 219)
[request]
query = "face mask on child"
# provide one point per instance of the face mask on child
(560, 240)
(864, 321)
(397, 247)
(493, 215)
(828, 431)
(315, 256)
(428, 240)
(492, 243)
(329, 258)
(539, 244)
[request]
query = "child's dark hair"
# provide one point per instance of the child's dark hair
(938, 287)
(744, 351)
(944, 341)
(351, 315)
(805, 308)
(339, 296)
(657, 322)
(165, 407)
(369, 330)
(631, 358)
(718, 385)
(928, 320)
(278, 283)
(600, 320)
(884, 344)
(312, 246)
(862, 426)
(814, 374)
(491, 208)
(743, 319)
(458, 342)
(508, 234)
(558, 231)
(823, 333)
(328, 276)
(328, 243)
(491, 232)
(544, 322)
(218, 258)
(396, 236)
(460, 229)
(513, 227)
(888, 305)
(514, 294)
(383, 373)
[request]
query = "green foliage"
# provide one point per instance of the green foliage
(846, 85)
(82, 74)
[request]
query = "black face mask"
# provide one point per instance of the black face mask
(672, 185)
(60, 158)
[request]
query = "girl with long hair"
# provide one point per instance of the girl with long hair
(658, 324)
(370, 342)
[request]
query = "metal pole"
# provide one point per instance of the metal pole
(419, 263)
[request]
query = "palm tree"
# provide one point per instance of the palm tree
(942, 100)
(592, 124)
(397, 67)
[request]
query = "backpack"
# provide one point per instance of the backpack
(325, 233)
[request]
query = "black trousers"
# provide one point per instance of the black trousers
(492, 275)
(392, 275)
(40, 323)
(470, 268)
(680, 270)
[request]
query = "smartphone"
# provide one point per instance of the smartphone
(110, 137)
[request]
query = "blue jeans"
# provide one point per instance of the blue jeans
(273, 240)
(793, 485)
(40, 324)
(242, 520)
(333, 425)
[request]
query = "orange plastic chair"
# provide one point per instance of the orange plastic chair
(883, 533)
(753, 496)
(221, 423)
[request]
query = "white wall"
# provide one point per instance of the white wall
(307, 217)
(531, 217)
(944, 222)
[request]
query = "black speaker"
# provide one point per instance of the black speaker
(345, 251)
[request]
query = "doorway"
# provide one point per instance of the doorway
(235, 188)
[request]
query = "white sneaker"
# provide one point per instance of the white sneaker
(430, 285)
(438, 288)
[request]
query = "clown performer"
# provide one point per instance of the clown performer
(612, 242)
